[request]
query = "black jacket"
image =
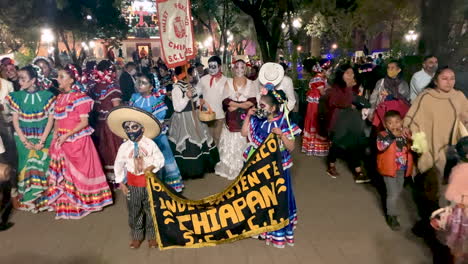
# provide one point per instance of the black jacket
(127, 86)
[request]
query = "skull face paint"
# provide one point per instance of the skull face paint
(213, 68)
(239, 69)
(133, 130)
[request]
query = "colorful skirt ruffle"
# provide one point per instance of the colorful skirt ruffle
(32, 179)
(170, 173)
(77, 184)
(194, 149)
(314, 145)
(284, 236)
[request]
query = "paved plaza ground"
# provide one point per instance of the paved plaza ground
(339, 222)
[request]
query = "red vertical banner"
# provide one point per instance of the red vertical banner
(176, 30)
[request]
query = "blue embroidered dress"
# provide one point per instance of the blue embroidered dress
(154, 103)
(258, 131)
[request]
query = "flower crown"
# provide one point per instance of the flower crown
(72, 70)
(104, 77)
(269, 87)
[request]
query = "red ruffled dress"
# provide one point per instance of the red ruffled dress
(312, 143)
(77, 184)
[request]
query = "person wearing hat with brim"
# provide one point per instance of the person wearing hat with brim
(273, 74)
(136, 155)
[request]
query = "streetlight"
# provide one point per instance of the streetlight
(47, 36)
(299, 48)
(208, 42)
(297, 23)
(411, 36)
(334, 46)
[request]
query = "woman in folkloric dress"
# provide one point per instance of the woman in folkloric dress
(106, 95)
(150, 97)
(77, 183)
(240, 95)
(32, 111)
(312, 143)
(193, 146)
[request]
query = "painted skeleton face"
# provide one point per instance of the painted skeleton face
(133, 130)
(239, 69)
(213, 68)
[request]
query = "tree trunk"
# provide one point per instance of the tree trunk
(57, 61)
(268, 40)
(315, 47)
(435, 18)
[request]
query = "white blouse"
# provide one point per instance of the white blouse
(243, 93)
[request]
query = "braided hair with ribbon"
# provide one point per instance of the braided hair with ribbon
(104, 73)
(278, 98)
(34, 71)
(154, 81)
(75, 73)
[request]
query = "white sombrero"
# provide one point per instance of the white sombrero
(122, 114)
(271, 73)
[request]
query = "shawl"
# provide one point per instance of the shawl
(435, 113)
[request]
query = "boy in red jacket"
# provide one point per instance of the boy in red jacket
(394, 163)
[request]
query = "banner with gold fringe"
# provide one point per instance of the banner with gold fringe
(254, 203)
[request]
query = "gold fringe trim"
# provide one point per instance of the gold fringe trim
(150, 175)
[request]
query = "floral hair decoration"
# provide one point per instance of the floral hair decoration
(75, 74)
(43, 82)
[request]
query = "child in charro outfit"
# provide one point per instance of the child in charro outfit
(136, 155)
(394, 163)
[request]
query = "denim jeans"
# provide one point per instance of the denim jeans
(394, 187)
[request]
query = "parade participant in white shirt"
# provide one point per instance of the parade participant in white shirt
(212, 87)
(422, 78)
(288, 88)
(135, 156)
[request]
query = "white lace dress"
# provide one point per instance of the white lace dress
(233, 144)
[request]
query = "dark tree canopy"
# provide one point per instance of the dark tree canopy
(65, 17)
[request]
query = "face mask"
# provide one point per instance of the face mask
(393, 73)
(262, 113)
(213, 68)
(135, 136)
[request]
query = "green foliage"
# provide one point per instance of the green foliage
(24, 57)
(339, 21)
